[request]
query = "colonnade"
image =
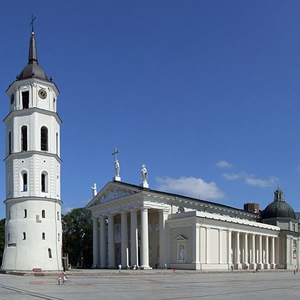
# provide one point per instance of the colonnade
(104, 250)
(253, 250)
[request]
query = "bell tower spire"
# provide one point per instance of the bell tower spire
(32, 57)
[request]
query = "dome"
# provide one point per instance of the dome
(33, 71)
(278, 208)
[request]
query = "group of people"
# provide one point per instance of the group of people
(62, 278)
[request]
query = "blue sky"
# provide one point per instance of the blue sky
(205, 93)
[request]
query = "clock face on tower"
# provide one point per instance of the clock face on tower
(42, 93)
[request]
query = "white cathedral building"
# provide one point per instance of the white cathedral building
(135, 226)
(33, 229)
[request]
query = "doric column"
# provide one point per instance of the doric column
(246, 249)
(237, 249)
(207, 245)
(163, 243)
(272, 253)
(111, 243)
(229, 239)
(196, 246)
(260, 252)
(103, 263)
(124, 240)
(133, 239)
(267, 262)
(291, 251)
(253, 251)
(219, 246)
(144, 239)
(95, 243)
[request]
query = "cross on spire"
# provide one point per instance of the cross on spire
(32, 21)
(116, 151)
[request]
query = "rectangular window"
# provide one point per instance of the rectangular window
(9, 143)
(43, 214)
(43, 179)
(43, 235)
(44, 138)
(58, 215)
(25, 213)
(24, 138)
(58, 237)
(25, 99)
(49, 253)
(24, 235)
(24, 182)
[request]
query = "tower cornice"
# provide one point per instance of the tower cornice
(30, 111)
(19, 199)
(25, 154)
(29, 81)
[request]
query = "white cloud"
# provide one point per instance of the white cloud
(232, 176)
(251, 179)
(224, 164)
(190, 186)
(271, 181)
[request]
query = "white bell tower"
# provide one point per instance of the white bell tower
(33, 230)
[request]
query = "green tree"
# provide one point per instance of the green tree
(2, 238)
(78, 237)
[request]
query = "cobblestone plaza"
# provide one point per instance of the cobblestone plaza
(153, 284)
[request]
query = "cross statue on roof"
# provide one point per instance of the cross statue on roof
(117, 165)
(116, 151)
(31, 23)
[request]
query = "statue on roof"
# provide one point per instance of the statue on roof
(144, 173)
(94, 189)
(117, 165)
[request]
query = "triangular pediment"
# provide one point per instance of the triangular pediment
(113, 191)
(181, 238)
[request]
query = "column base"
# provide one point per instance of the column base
(253, 266)
(145, 268)
(238, 266)
(267, 266)
(273, 266)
